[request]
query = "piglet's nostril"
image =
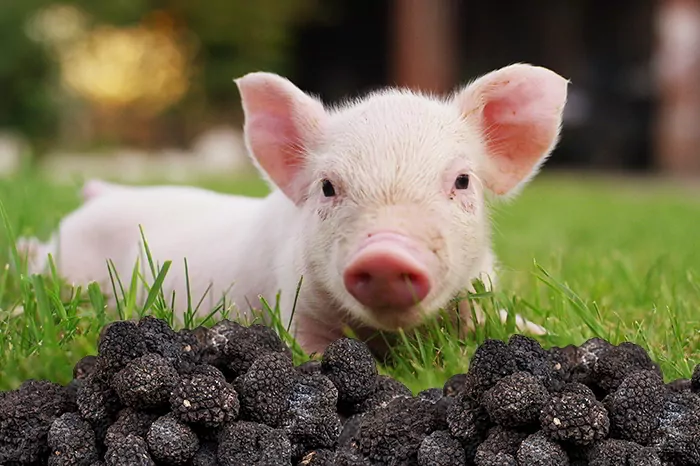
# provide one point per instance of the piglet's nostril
(386, 276)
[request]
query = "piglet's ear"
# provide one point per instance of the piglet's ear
(281, 123)
(518, 111)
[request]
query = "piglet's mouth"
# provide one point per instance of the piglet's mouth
(389, 273)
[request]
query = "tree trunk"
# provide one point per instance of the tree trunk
(423, 44)
(677, 73)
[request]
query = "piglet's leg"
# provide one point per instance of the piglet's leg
(521, 324)
(35, 252)
(312, 334)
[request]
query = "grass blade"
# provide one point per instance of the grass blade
(156, 288)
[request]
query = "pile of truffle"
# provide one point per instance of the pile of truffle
(231, 396)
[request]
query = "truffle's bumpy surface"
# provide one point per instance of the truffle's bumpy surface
(129, 422)
(350, 366)
(231, 395)
(440, 449)
(71, 440)
(695, 380)
(516, 400)
(539, 450)
(171, 441)
(203, 399)
(131, 451)
(575, 418)
(146, 382)
(266, 387)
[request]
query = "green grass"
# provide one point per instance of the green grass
(582, 257)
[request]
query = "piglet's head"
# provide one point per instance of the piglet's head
(392, 187)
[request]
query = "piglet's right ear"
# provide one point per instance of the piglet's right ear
(518, 110)
(281, 124)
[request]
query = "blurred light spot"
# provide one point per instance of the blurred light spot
(144, 67)
(56, 24)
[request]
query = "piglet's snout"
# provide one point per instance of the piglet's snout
(389, 271)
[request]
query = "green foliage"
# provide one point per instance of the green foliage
(233, 37)
(228, 38)
(25, 75)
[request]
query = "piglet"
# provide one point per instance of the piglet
(380, 204)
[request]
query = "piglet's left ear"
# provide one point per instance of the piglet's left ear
(518, 112)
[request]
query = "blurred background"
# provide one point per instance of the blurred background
(141, 86)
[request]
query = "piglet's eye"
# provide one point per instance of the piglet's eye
(462, 182)
(328, 189)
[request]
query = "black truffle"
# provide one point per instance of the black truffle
(350, 433)
(442, 406)
(245, 442)
(26, 414)
(516, 400)
(576, 387)
(129, 422)
(131, 451)
(204, 400)
(203, 369)
(538, 450)
(206, 455)
(171, 441)
(233, 347)
(278, 449)
(491, 362)
(98, 403)
(121, 342)
(180, 349)
(146, 382)
(583, 358)
(84, 367)
(530, 357)
(431, 394)
(311, 421)
(636, 405)
(617, 362)
(695, 380)
(456, 384)
(312, 366)
(386, 389)
(677, 439)
(467, 421)
(349, 364)
(563, 361)
(347, 457)
(231, 395)
(679, 385)
(615, 452)
(574, 418)
(441, 449)
(500, 447)
(214, 341)
(265, 389)
(392, 434)
(71, 441)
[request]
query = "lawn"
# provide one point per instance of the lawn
(583, 257)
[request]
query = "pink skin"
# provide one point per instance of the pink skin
(389, 272)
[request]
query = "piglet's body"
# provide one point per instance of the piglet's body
(380, 204)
